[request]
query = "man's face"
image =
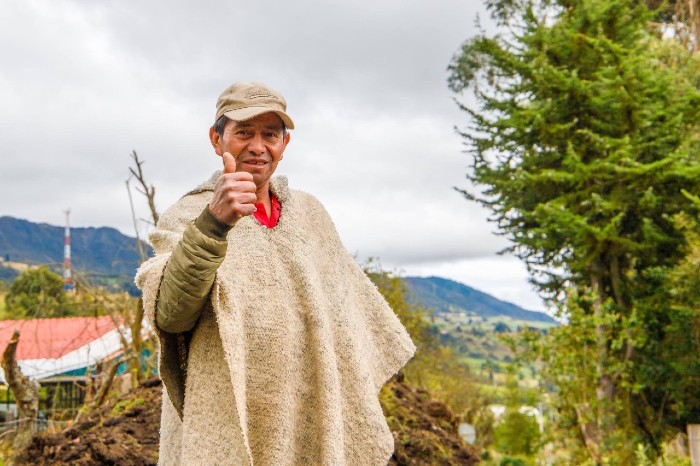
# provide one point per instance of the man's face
(256, 144)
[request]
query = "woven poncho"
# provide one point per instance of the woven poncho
(286, 361)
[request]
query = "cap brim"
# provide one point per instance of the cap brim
(246, 113)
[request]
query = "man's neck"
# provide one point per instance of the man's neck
(263, 194)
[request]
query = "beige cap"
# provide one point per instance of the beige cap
(242, 101)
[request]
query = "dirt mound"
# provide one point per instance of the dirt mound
(425, 430)
(125, 433)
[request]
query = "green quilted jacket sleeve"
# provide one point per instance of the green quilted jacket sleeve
(190, 272)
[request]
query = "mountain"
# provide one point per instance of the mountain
(443, 295)
(109, 257)
(100, 251)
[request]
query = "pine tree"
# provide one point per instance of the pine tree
(584, 133)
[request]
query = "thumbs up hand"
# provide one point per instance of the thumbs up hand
(234, 193)
(229, 163)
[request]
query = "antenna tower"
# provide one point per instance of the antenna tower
(67, 274)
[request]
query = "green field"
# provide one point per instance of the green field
(515, 323)
(481, 346)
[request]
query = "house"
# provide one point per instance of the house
(60, 354)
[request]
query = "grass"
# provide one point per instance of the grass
(126, 405)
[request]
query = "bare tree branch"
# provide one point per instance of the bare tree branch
(139, 244)
(26, 393)
(149, 192)
(136, 324)
(107, 377)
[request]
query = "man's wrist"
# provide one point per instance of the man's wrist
(211, 226)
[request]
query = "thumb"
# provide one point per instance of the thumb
(229, 163)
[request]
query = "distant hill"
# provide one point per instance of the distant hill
(443, 295)
(100, 251)
(109, 257)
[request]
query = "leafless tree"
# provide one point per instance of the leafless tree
(136, 317)
(146, 190)
(26, 393)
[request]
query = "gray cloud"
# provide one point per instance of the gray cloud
(83, 83)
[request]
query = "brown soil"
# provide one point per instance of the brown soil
(126, 432)
(122, 433)
(425, 430)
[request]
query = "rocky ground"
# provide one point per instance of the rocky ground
(125, 432)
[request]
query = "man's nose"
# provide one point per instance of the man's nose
(256, 145)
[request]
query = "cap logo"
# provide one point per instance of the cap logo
(258, 92)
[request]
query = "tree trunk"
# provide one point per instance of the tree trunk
(616, 274)
(606, 385)
(694, 22)
(605, 392)
(106, 379)
(137, 344)
(136, 369)
(589, 431)
(687, 12)
(26, 393)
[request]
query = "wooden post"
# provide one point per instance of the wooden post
(694, 443)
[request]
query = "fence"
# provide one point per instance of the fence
(9, 427)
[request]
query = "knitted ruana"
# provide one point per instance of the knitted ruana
(286, 361)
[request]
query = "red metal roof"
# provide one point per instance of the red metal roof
(53, 338)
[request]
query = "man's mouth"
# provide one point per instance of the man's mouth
(256, 162)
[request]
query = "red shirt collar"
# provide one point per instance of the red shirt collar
(261, 215)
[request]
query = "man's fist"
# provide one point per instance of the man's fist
(234, 193)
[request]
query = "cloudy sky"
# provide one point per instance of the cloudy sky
(83, 83)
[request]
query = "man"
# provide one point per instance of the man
(273, 342)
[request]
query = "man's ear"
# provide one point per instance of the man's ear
(285, 142)
(215, 139)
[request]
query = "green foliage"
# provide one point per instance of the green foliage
(517, 433)
(412, 315)
(484, 423)
(127, 405)
(667, 458)
(584, 137)
(673, 365)
(512, 461)
(501, 327)
(434, 367)
(37, 293)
